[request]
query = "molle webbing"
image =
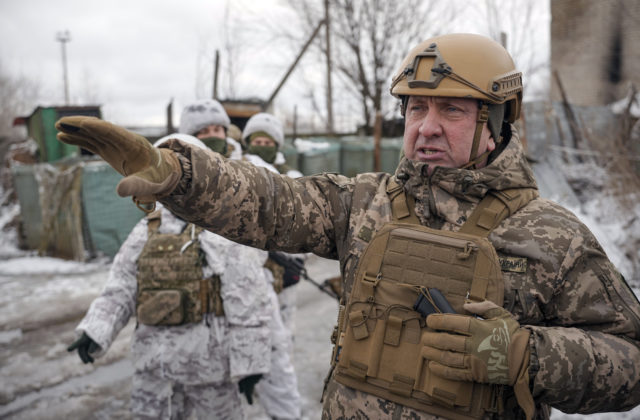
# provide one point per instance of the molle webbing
(380, 334)
(381, 350)
(171, 287)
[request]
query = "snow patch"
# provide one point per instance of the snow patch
(46, 265)
(303, 146)
(6, 337)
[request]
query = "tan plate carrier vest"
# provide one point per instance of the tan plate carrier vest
(379, 347)
(171, 287)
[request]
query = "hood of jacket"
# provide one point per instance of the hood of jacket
(450, 194)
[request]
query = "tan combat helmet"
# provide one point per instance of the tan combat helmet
(464, 66)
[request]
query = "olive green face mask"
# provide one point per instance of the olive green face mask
(216, 144)
(267, 153)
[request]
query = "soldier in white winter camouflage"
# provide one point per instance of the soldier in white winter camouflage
(223, 337)
(543, 319)
(278, 393)
(264, 137)
(187, 357)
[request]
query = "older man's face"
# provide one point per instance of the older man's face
(439, 131)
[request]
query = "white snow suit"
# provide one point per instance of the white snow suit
(196, 366)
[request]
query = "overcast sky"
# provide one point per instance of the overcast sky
(129, 56)
(133, 56)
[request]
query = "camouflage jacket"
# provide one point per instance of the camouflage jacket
(216, 349)
(584, 319)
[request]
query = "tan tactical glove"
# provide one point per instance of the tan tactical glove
(149, 172)
(492, 350)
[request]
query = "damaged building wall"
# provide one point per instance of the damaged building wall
(594, 49)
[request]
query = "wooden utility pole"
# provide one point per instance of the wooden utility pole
(329, 87)
(216, 60)
(503, 39)
(170, 128)
(574, 127)
(295, 62)
(377, 136)
(295, 122)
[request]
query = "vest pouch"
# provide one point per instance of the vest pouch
(382, 351)
(449, 393)
(161, 307)
(172, 289)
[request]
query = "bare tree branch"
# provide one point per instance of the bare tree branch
(369, 39)
(18, 96)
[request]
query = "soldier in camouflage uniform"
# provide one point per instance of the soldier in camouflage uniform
(568, 323)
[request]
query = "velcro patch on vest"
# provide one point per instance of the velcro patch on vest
(365, 233)
(513, 264)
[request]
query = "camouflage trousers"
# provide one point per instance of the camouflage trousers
(153, 397)
(342, 402)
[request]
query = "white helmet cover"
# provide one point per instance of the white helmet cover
(202, 113)
(266, 123)
(182, 137)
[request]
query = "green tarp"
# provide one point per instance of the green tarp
(70, 209)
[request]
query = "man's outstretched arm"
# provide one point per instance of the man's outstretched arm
(234, 199)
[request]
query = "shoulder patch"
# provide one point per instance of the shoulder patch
(513, 264)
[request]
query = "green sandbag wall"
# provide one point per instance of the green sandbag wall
(324, 159)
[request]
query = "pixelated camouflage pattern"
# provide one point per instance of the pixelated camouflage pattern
(213, 351)
(286, 297)
(343, 402)
(278, 390)
(584, 319)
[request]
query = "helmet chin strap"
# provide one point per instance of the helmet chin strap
(483, 117)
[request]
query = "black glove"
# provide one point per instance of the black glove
(247, 384)
(85, 345)
(293, 267)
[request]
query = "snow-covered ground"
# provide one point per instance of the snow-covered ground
(44, 298)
